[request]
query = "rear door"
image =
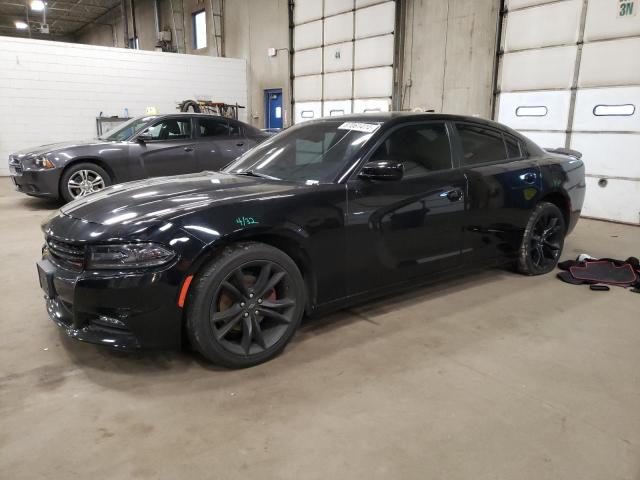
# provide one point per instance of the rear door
(503, 186)
(398, 230)
(219, 141)
(168, 148)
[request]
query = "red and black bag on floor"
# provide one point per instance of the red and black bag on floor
(624, 273)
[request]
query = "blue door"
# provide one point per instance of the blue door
(273, 108)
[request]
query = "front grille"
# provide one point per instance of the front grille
(66, 252)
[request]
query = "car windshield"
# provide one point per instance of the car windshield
(307, 153)
(126, 130)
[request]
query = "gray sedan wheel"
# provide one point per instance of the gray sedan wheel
(83, 179)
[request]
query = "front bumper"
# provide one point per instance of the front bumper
(38, 183)
(123, 310)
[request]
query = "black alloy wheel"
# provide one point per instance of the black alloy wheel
(543, 240)
(247, 305)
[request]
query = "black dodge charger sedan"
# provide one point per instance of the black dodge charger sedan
(320, 216)
(151, 146)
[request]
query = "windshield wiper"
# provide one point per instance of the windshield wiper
(251, 173)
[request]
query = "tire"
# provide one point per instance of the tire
(96, 177)
(245, 305)
(542, 241)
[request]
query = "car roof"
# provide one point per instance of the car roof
(385, 117)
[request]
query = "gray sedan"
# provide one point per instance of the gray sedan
(150, 146)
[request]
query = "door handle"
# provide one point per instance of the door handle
(239, 144)
(188, 149)
(529, 177)
(454, 195)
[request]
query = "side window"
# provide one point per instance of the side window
(212, 127)
(234, 129)
(513, 147)
(480, 145)
(170, 129)
(421, 148)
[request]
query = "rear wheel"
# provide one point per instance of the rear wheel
(245, 305)
(82, 179)
(542, 241)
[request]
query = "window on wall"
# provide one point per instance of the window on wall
(199, 30)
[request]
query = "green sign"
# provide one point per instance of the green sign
(626, 8)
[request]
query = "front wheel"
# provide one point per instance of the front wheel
(245, 305)
(542, 241)
(81, 179)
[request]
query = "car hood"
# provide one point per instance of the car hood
(55, 147)
(161, 198)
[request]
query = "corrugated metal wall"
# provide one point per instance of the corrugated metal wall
(570, 76)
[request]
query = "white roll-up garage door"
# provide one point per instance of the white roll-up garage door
(343, 57)
(570, 76)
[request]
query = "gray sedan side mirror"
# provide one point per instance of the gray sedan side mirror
(382, 170)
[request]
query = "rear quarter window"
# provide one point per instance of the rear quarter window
(480, 145)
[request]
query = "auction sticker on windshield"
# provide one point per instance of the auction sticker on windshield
(360, 127)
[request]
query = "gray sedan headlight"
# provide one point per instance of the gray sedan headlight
(43, 162)
(128, 255)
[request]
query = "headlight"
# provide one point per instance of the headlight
(43, 162)
(128, 255)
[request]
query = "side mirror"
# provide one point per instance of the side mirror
(144, 137)
(382, 170)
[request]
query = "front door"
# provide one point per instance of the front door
(273, 108)
(399, 230)
(167, 148)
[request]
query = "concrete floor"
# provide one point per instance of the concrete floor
(494, 376)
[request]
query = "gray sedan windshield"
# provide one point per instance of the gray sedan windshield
(126, 130)
(307, 153)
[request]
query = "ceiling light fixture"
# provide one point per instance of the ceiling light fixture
(20, 25)
(37, 5)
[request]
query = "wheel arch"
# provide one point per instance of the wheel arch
(562, 201)
(97, 160)
(283, 241)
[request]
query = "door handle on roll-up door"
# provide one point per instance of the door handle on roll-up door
(454, 195)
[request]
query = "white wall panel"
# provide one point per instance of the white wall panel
(375, 20)
(515, 4)
(587, 100)
(530, 28)
(308, 35)
(61, 87)
(614, 201)
(608, 153)
(538, 69)
(604, 21)
(307, 10)
(374, 52)
(546, 139)
(308, 62)
(514, 108)
(373, 82)
(335, 108)
(371, 105)
(338, 57)
(332, 72)
(612, 62)
(337, 86)
(338, 28)
(333, 7)
(366, 3)
(308, 88)
(305, 111)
